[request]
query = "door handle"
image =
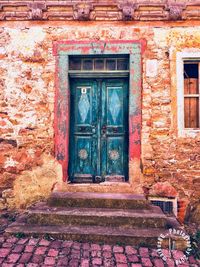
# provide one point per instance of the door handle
(115, 129)
(104, 128)
(82, 128)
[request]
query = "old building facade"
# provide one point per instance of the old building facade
(94, 91)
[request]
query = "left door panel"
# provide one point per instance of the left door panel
(83, 132)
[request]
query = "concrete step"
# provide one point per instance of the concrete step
(110, 235)
(98, 200)
(42, 214)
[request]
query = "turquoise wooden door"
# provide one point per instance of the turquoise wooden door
(99, 129)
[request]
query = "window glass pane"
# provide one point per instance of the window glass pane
(99, 64)
(87, 64)
(122, 64)
(191, 70)
(191, 112)
(110, 64)
(74, 64)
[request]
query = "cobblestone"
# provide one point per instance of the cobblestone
(38, 252)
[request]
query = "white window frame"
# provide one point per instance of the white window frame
(181, 57)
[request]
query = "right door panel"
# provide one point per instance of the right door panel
(114, 127)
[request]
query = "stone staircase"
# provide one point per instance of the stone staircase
(95, 217)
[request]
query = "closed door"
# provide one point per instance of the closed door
(98, 129)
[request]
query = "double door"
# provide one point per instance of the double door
(98, 129)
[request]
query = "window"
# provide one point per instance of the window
(188, 93)
(167, 205)
(191, 95)
(99, 63)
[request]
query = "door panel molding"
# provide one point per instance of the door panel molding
(83, 138)
(115, 121)
(62, 50)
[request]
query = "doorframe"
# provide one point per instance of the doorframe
(62, 50)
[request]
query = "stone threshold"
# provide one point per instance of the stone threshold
(104, 187)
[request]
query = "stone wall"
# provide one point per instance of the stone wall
(27, 68)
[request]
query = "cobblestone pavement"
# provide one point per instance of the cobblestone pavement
(34, 252)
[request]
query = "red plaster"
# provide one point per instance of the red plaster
(58, 43)
(66, 163)
(61, 142)
(56, 136)
(86, 50)
(143, 45)
(134, 137)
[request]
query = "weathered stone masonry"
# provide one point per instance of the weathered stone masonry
(170, 164)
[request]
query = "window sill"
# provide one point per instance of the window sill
(189, 133)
